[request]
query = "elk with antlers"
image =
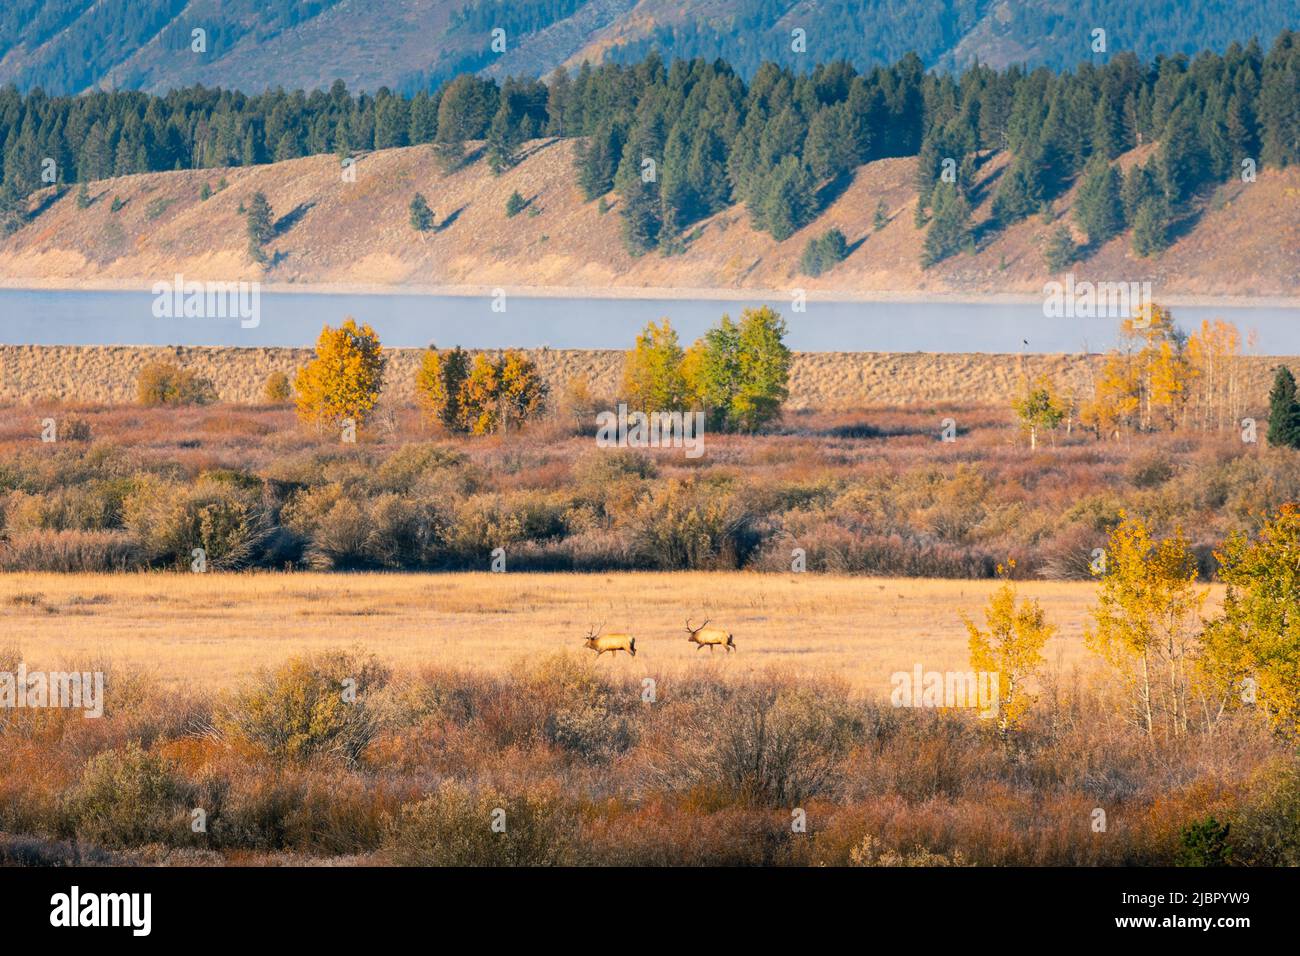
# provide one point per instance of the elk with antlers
(710, 637)
(613, 643)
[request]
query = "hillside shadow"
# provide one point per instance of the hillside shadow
(451, 218)
(292, 218)
(833, 190)
(985, 186)
(46, 202)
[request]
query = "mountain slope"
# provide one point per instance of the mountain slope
(67, 46)
(1243, 240)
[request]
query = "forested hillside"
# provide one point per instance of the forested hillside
(676, 144)
(67, 46)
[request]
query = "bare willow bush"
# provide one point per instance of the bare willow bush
(310, 706)
(689, 524)
(166, 383)
(457, 826)
(129, 797)
(71, 552)
(226, 516)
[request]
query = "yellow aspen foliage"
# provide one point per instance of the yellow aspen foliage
(1214, 358)
(523, 392)
(1167, 375)
(1146, 624)
(480, 411)
(652, 371)
(1011, 647)
(438, 384)
(345, 378)
(1254, 647)
(497, 395)
(1039, 408)
(1117, 397)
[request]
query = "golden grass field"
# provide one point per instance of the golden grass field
(218, 628)
(818, 380)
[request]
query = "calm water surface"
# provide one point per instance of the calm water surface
(42, 317)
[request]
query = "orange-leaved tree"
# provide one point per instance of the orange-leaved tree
(345, 378)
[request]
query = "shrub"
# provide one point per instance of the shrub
(229, 521)
(1150, 471)
(165, 383)
(72, 428)
(334, 524)
(95, 505)
(488, 521)
(869, 852)
(1204, 843)
(343, 530)
(454, 826)
(309, 706)
(71, 552)
(1268, 833)
(770, 744)
(129, 797)
(685, 524)
(276, 388)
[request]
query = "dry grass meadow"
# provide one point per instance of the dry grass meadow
(216, 629)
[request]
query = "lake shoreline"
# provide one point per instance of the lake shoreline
(634, 293)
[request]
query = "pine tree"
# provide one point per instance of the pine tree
(1151, 228)
(789, 200)
(1060, 251)
(260, 226)
(503, 139)
(1020, 193)
(1098, 208)
(597, 160)
(421, 214)
(1183, 161)
(881, 219)
(1283, 411)
(950, 229)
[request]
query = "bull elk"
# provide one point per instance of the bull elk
(613, 643)
(710, 637)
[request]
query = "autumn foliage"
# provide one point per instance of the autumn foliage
(344, 380)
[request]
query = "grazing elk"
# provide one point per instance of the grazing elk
(600, 643)
(710, 637)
